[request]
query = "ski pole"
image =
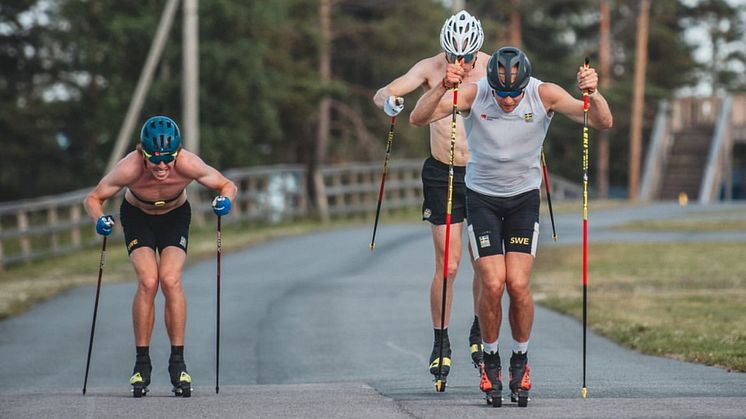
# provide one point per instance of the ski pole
(549, 196)
(389, 140)
(586, 107)
(440, 382)
(95, 311)
(217, 334)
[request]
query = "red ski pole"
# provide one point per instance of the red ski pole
(586, 107)
(440, 382)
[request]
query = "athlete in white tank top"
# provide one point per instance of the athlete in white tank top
(505, 147)
(506, 116)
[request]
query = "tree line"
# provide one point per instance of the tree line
(68, 70)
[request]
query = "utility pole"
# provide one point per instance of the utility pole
(514, 29)
(638, 102)
(322, 132)
(604, 67)
(190, 80)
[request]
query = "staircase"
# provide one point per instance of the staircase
(685, 165)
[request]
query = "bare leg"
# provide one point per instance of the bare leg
(521, 313)
(143, 305)
(170, 270)
(454, 256)
(492, 275)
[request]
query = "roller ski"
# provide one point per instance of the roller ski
(491, 381)
(475, 345)
(180, 378)
(140, 379)
(520, 380)
(440, 373)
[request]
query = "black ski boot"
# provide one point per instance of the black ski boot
(140, 379)
(180, 378)
(520, 380)
(475, 345)
(491, 382)
(440, 373)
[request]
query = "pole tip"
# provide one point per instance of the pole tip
(585, 392)
(372, 247)
(554, 237)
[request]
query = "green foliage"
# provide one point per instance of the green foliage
(69, 69)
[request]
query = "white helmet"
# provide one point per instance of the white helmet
(461, 34)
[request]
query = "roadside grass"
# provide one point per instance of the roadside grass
(686, 225)
(679, 300)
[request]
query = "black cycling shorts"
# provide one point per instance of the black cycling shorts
(499, 225)
(435, 191)
(155, 231)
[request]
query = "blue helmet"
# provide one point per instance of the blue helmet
(160, 136)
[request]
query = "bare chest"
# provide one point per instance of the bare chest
(149, 188)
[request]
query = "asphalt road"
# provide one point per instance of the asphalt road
(317, 326)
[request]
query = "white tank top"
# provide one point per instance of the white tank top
(505, 148)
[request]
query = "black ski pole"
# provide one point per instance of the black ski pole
(549, 196)
(389, 140)
(95, 311)
(217, 335)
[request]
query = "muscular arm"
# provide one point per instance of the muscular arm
(436, 104)
(557, 99)
(207, 176)
(125, 172)
(404, 84)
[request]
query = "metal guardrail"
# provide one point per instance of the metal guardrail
(54, 225)
(718, 159)
(655, 160)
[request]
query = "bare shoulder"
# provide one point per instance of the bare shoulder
(189, 164)
(482, 59)
(550, 92)
(431, 69)
(127, 170)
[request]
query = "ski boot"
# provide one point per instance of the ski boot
(520, 380)
(475, 345)
(140, 379)
(440, 373)
(491, 381)
(180, 378)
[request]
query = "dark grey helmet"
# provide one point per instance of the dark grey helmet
(508, 57)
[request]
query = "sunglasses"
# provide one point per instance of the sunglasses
(157, 157)
(514, 94)
(452, 58)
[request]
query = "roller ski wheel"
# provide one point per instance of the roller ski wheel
(440, 385)
(140, 379)
(440, 373)
(180, 378)
(440, 378)
(520, 379)
(183, 388)
(476, 348)
(520, 396)
(491, 380)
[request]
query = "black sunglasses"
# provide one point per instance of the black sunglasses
(452, 58)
